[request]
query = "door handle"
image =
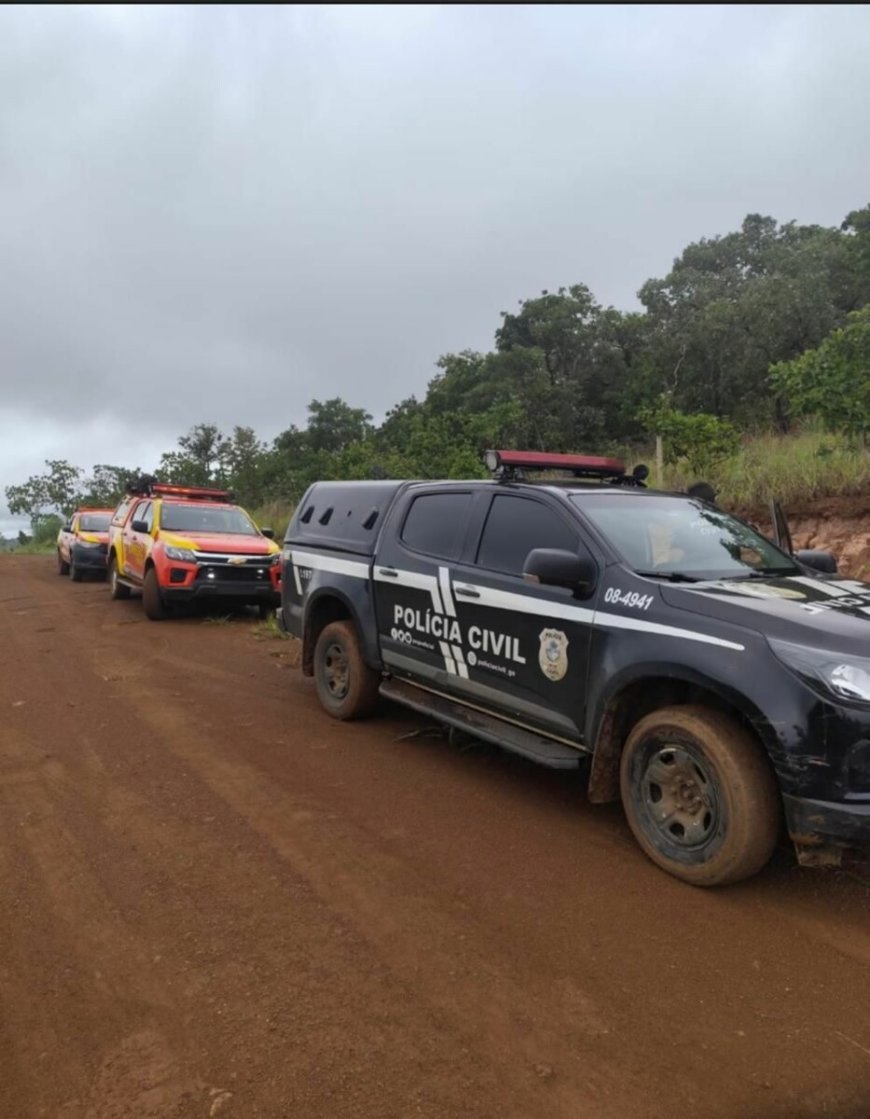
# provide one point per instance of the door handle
(466, 592)
(388, 571)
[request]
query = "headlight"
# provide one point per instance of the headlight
(87, 543)
(183, 554)
(844, 676)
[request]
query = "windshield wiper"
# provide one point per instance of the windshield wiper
(670, 576)
(765, 573)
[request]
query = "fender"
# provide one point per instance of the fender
(608, 725)
(359, 607)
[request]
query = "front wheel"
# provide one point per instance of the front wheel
(117, 589)
(346, 686)
(152, 598)
(62, 565)
(699, 795)
(75, 572)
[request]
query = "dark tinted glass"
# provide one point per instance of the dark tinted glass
(514, 527)
(94, 522)
(435, 524)
(203, 517)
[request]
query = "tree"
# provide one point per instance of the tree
(57, 491)
(833, 380)
(107, 485)
(701, 439)
(732, 306)
(333, 425)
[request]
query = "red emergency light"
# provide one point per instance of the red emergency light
(581, 466)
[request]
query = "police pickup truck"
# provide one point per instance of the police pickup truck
(711, 680)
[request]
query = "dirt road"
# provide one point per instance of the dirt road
(217, 902)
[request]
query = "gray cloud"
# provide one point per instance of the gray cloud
(220, 213)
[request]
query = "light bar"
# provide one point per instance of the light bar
(202, 492)
(588, 465)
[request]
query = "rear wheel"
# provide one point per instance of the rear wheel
(117, 589)
(62, 565)
(152, 598)
(346, 686)
(266, 612)
(699, 795)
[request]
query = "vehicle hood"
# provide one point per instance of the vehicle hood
(93, 537)
(228, 544)
(828, 613)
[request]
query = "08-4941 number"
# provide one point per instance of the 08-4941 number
(628, 598)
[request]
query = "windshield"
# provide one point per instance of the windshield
(662, 535)
(205, 518)
(94, 522)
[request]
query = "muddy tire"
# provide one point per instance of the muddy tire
(265, 612)
(62, 565)
(346, 686)
(152, 598)
(75, 572)
(117, 589)
(699, 795)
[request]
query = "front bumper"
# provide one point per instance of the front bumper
(89, 559)
(823, 823)
(241, 591)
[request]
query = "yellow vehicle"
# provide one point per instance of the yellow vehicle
(178, 544)
(82, 544)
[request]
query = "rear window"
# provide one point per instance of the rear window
(435, 524)
(94, 522)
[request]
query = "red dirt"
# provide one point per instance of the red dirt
(217, 902)
(837, 524)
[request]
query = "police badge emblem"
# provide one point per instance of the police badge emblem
(553, 656)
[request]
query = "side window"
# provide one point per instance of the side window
(435, 524)
(121, 513)
(516, 525)
(144, 512)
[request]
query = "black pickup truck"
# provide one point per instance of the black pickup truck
(711, 680)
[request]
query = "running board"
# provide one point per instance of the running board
(516, 739)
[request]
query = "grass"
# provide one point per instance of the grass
(275, 515)
(268, 630)
(43, 548)
(791, 468)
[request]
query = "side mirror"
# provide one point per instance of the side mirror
(67, 528)
(817, 559)
(553, 567)
(139, 526)
(269, 533)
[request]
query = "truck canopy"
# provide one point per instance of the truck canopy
(343, 516)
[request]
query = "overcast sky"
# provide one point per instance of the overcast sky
(219, 214)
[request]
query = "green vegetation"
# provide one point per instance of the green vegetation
(750, 361)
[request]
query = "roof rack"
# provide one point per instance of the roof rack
(511, 466)
(150, 487)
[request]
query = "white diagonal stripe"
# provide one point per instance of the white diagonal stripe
(446, 591)
(448, 659)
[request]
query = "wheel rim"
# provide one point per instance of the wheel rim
(336, 671)
(680, 796)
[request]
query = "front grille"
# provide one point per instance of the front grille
(221, 559)
(218, 573)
